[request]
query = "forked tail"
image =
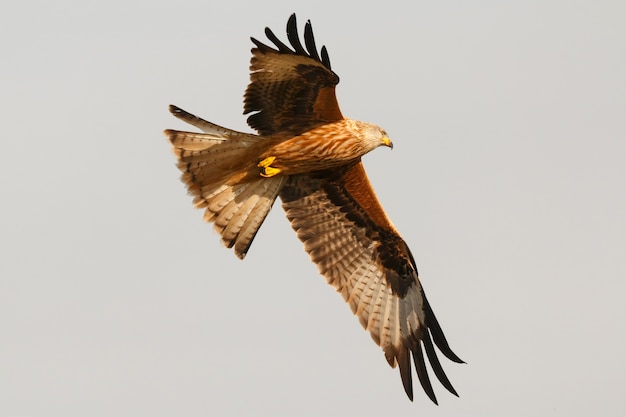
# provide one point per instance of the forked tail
(220, 169)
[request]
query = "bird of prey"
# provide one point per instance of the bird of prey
(309, 154)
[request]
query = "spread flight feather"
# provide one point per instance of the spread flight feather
(307, 153)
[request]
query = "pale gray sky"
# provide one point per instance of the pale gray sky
(507, 180)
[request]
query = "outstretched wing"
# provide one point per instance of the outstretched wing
(348, 235)
(290, 90)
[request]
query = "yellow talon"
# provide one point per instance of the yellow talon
(266, 170)
(267, 161)
(269, 171)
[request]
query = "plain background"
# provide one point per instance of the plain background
(507, 180)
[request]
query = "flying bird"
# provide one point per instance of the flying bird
(309, 154)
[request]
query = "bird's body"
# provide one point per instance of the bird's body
(327, 146)
(307, 153)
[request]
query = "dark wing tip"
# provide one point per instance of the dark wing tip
(282, 48)
(422, 373)
(294, 39)
(438, 337)
(260, 45)
(292, 20)
(292, 35)
(309, 41)
(436, 365)
(325, 58)
(404, 364)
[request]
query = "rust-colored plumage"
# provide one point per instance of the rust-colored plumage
(310, 155)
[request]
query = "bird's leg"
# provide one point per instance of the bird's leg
(266, 170)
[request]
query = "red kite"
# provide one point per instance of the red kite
(307, 153)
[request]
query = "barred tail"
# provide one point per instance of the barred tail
(220, 170)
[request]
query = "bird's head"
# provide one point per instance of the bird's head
(375, 136)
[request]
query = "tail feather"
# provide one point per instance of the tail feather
(207, 158)
(257, 214)
(202, 124)
(220, 170)
(238, 211)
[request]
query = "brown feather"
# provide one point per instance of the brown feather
(358, 186)
(290, 90)
(220, 170)
(325, 105)
(347, 234)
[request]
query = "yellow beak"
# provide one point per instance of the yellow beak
(387, 142)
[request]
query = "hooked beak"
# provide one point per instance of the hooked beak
(387, 142)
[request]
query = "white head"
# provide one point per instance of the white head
(374, 135)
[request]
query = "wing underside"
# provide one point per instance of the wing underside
(369, 264)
